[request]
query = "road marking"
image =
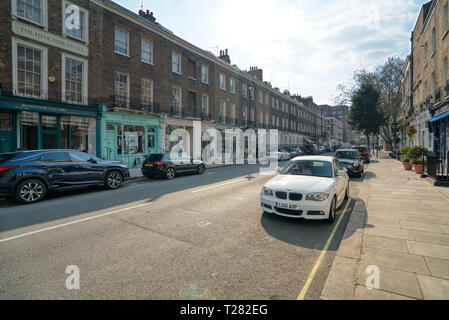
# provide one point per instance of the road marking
(219, 185)
(304, 290)
(71, 222)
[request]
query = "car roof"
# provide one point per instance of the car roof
(316, 158)
(352, 150)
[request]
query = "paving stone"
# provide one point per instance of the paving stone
(431, 237)
(394, 260)
(445, 228)
(434, 288)
(394, 281)
(427, 219)
(351, 244)
(421, 226)
(383, 222)
(428, 249)
(390, 232)
(362, 293)
(392, 244)
(341, 283)
(438, 267)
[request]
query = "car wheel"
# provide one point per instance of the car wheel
(201, 169)
(332, 210)
(30, 191)
(113, 180)
(170, 173)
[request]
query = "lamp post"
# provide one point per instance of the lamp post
(249, 104)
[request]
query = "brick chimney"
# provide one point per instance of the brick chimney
(225, 56)
(147, 15)
(255, 71)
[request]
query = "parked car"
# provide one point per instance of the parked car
(352, 161)
(168, 165)
(280, 155)
(309, 187)
(29, 176)
(365, 153)
(295, 152)
(310, 149)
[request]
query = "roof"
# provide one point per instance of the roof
(315, 158)
(346, 150)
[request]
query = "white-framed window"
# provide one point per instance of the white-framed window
(222, 119)
(245, 90)
(222, 81)
(76, 21)
(232, 85)
(35, 11)
(272, 102)
(273, 120)
(176, 62)
(146, 51)
(205, 104)
(74, 79)
(204, 74)
(122, 89)
(266, 99)
(121, 42)
(260, 96)
(266, 118)
(434, 41)
(29, 69)
(146, 92)
(261, 118)
(177, 99)
(232, 113)
(277, 104)
(445, 18)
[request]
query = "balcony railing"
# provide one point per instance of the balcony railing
(177, 112)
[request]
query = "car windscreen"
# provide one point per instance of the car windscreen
(5, 157)
(155, 157)
(313, 168)
(346, 155)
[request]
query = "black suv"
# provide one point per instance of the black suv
(168, 165)
(364, 152)
(30, 175)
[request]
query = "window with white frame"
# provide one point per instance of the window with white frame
(74, 84)
(29, 69)
(176, 99)
(176, 62)
(34, 11)
(205, 105)
(260, 96)
(232, 113)
(445, 71)
(121, 41)
(146, 92)
(222, 111)
(266, 99)
(232, 85)
(273, 120)
(266, 118)
(122, 89)
(445, 18)
(76, 21)
(434, 41)
(261, 118)
(272, 102)
(252, 115)
(204, 74)
(222, 81)
(244, 90)
(146, 51)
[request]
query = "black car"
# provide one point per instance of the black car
(364, 153)
(169, 164)
(29, 176)
(351, 160)
(310, 150)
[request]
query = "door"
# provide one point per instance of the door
(111, 145)
(58, 168)
(340, 181)
(7, 136)
(49, 132)
(85, 171)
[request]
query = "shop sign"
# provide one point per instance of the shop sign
(131, 140)
(33, 107)
(441, 111)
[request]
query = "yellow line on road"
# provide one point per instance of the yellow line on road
(304, 290)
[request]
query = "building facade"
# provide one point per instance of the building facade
(117, 84)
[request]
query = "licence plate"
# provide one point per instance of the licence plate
(148, 164)
(286, 205)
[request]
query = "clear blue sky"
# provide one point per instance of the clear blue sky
(307, 46)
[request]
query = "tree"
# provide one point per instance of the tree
(365, 114)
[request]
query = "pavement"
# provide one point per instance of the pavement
(193, 237)
(396, 243)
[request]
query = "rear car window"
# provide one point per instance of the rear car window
(5, 157)
(55, 156)
(155, 157)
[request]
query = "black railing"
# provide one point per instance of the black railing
(205, 116)
(446, 88)
(177, 112)
(148, 107)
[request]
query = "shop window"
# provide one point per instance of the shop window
(119, 139)
(83, 134)
(6, 121)
(65, 132)
(30, 130)
(133, 139)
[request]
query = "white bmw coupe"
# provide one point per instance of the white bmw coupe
(310, 187)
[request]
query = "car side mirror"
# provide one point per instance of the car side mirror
(93, 160)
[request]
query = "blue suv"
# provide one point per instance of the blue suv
(29, 175)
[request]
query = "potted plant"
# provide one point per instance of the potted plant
(419, 166)
(407, 164)
(416, 154)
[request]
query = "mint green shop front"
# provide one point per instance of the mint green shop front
(130, 137)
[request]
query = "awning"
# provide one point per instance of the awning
(441, 116)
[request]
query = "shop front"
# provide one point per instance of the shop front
(130, 137)
(32, 124)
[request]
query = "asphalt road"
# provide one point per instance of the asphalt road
(195, 237)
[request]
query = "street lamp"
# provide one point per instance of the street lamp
(249, 104)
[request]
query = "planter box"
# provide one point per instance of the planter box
(419, 168)
(408, 166)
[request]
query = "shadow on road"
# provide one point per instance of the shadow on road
(72, 203)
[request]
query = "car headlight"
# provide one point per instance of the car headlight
(318, 196)
(355, 164)
(267, 192)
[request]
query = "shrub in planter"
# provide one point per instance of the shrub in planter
(407, 164)
(404, 150)
(416, 152)
(419, 166)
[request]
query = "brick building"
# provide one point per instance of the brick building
(342, 114)
(118, 83)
